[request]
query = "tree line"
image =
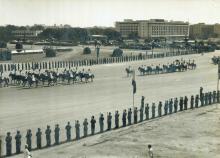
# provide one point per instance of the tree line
(74, 34)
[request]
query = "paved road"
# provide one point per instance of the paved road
(32, 108)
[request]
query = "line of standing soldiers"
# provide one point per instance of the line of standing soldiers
(170, 106)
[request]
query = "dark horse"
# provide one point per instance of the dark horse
(4, 80)
(128, 71)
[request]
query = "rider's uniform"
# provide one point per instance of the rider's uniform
(51, 75)
(33, 78)
(71, 74)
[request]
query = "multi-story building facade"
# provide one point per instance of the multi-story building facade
(127, 27)
(204, 31)
(26, 34)
(155, 28)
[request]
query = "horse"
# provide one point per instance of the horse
(4, 80)
(128, 71)
(89, 76)
(142, 70)
(191, 66)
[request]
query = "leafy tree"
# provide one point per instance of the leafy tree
(133, 35)
(117, 52)
(18, 47)
(87, 50)
(50, 52)
(3, 44)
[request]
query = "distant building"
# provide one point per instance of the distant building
(26, 34)
(127, 27)
(154, 28)
(204, 31)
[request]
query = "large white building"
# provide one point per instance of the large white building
(154, 28)
(26, 34)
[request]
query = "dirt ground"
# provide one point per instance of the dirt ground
(189, 134)
(75, 54)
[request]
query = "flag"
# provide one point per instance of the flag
(134, 83)
(218, 70)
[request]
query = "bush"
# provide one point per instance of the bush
(50, 52)
(87, 50)
(5, 54)
(3, 45)
(117, 52)
(18, 47)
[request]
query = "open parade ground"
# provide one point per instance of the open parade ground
(187, 134)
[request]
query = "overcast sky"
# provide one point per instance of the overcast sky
(85, 13)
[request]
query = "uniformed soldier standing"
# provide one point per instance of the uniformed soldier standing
(159, 109)
(147, 112)
(135, 115)
(77, 127)
(109, 121)
(124, 116)
(171, 106)
(57, 134)
(197, 101)
(201, 91)
(175, 105)
(29, 141)
(141, 113)
(153, 110)
(185, 103)
(101, 123)
(202, 99)
(38, 136)
(218, 96)
(129, 116)
(68, 131)
(165, 107)
(116, 119)
(192, 102)
(142, 101)
(85, 127)
(181, 103)
(48, 136)
(210, 98)
(214, 96)
(93, 121)
(18, 142)
(8, 140)
(206, 98)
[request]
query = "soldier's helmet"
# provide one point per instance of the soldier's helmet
(38, 129)
(8, 133)
(18, 132)
(48, 126)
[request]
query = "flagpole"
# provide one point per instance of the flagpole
(134, 85)
(218, 75)
(133, 100)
